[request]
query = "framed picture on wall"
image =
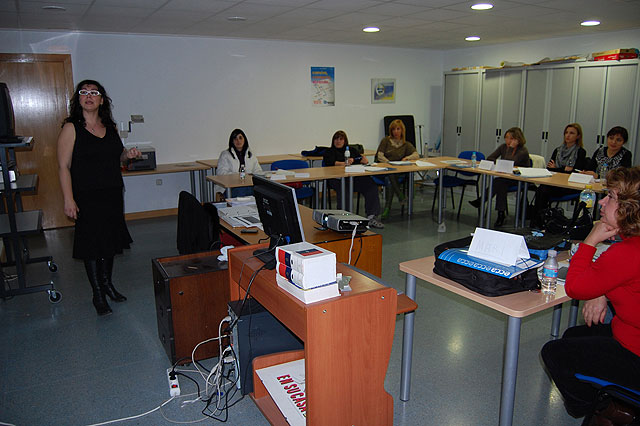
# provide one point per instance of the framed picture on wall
(383, 90)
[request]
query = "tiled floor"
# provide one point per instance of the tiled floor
(63, 365)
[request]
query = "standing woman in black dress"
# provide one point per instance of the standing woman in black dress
(89, 156)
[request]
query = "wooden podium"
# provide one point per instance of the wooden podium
(347, 344)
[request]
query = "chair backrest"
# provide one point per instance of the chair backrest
(289, 164)
(466, 155)
(537, 161)
(409, 123)
(198, 225)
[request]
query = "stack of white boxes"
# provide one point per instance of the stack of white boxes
(307, 272)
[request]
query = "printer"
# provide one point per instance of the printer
(340, 220)
(146, 161)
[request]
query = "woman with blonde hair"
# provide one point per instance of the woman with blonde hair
(565, 159)
(395, 148)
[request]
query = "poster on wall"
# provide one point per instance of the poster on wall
(383, 90)
(323, 84)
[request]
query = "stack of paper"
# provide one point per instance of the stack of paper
(534, 172)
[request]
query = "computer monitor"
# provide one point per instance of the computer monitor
(278, 209)
(7, 122)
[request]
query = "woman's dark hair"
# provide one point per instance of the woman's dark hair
(104, 110)
(336, 135)
(245, 147)
(626, 181)
(619, 130)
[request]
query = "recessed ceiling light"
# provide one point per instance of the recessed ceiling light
(472, 38)
(482, 6)
(236, 18)
(57, 8)
(371, 29)
(592, 23)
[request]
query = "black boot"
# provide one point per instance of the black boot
(95, 279)
(108, 288)
(475, 203)
(500, 219)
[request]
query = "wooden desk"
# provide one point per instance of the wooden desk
(367, 247)
(177, 168)
(516, 306)
(347, 344)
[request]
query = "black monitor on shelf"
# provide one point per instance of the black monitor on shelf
(278, 209)
(7, 121)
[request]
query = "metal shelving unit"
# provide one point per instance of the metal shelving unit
(16, 224)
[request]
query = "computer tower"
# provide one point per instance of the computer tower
(256, 333)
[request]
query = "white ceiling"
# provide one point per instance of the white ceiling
(436, 24)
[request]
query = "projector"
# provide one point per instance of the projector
(340, 220)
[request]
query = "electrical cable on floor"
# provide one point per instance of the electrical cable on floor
(353, 236)
(136, 416)
(6, 424)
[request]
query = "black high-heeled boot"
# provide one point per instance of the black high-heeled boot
(500, 219)
(109, 289)
(95, 276)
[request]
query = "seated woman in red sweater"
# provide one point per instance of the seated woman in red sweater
(607, 351)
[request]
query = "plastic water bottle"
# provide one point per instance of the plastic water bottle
(347, 154)
(243, 174)
(474, 160)
(550, 273)
(588, 197)
(602, 172)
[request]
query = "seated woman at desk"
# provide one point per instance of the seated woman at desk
(613, 155)
(395, 148)
(234, 159)
(607, 351)
(567, 157)
(514, 149)
(334, 156)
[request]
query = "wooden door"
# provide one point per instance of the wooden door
(41, 86)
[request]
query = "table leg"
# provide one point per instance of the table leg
(524, 204)
(325, 193)
(342, 192)
(350, 196)
(441, 225)
(482, 199)
(410, 204)
(192, 178)
(518, 198)
(407, 341)
(203, 189)
(316, 194)
(490, 197)
(573, 312)
(228, 192)
(510, 372)
(555, 321)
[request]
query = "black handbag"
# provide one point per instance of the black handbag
(577, 228)
(482, 282)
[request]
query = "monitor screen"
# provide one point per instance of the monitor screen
(278, 209)
(7, 122)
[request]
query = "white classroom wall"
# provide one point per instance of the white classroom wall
(194, 91)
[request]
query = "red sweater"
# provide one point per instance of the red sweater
(616, 274)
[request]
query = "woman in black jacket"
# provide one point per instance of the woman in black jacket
(334, 156)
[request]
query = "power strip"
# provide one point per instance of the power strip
(174, 385)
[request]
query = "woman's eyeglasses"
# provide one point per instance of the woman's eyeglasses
(88, 92)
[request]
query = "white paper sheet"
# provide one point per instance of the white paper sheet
(302, 175)
(356, 168)
(421, 163)
(374, 169)
(485, 165)
(278, 177)
(497, 246)
(580, 178)
(534, 172)
(504, 166)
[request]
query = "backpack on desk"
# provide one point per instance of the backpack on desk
(482, 282)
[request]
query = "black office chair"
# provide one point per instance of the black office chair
(608, 392)
(198, 225)
(455, 181)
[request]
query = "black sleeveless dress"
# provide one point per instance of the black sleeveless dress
(100, 231)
